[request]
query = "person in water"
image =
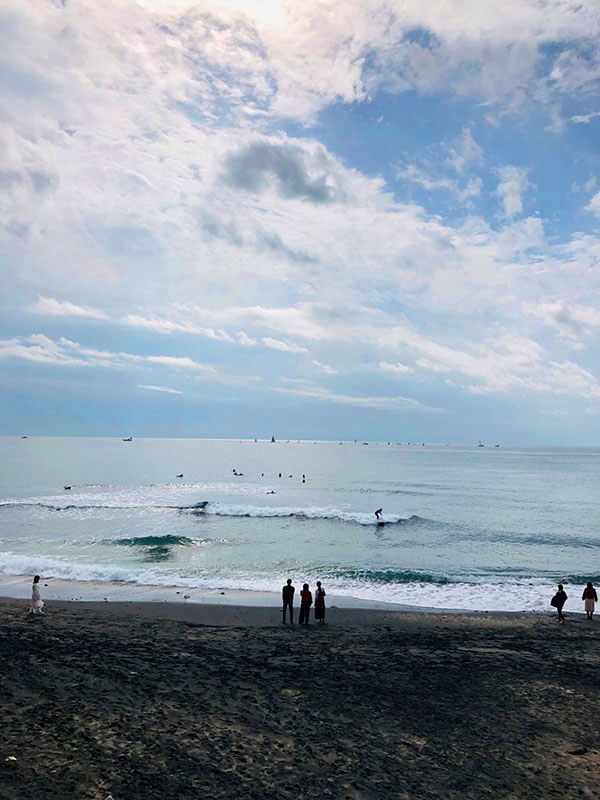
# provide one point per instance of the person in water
(37, 604)
(378, 513)
(558, 601)
(320, 603)
(590, 598)
(305, 604)
(287, 594)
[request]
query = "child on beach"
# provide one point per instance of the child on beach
(558, 601)
(36, 599)
(305, 604)
(320, 603)
(590, 598)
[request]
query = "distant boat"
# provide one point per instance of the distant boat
(272, 439)
(480, 444)
(180, 475)
(130, 439)
(23, 437)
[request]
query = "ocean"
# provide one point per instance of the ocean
(479, 528)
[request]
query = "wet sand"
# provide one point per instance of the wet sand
(148, 700)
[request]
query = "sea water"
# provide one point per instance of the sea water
(488, 528)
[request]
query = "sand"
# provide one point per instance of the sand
(148, 700)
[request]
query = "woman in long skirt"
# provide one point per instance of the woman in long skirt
(37, 603)
(320, 603)
(590, 598)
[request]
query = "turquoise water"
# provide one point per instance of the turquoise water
(465, 527)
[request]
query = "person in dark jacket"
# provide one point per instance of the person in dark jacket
(590, 598)
(287, 593)
(305, 604)
(320, 603)
(558, 601)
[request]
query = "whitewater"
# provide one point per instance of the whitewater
(464, 527)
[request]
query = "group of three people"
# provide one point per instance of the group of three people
(306, 601)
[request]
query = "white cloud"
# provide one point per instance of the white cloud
(65, 352)
(285, 347)
(588, 186)
(395, 369)
(424, 363)
(56, 308)
(305, 388)
(164, 389)
(162, 325)
(465, 152)
(585, 119)
(571, 321)
(594, 205)
(325, 368)
(513, 185)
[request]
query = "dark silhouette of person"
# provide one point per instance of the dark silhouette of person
(378, 513)
(280, 474)
(304, 479)
(305, 604)
(558, 601)
(590, 598)
(320, 603)
(287, 594)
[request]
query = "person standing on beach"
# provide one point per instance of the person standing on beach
(590, 598)
(305, 604)
(558, 601)
(320, 603)
(37, 603)
(287, 594)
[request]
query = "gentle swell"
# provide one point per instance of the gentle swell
(155, 541)
(383, 576)
(89, 507)
(222, 510)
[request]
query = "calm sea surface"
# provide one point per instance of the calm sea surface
(465, 527)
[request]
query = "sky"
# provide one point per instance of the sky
(327, 219)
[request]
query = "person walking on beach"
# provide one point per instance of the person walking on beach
(590, 598)
(287, 594)
(305, 604)
(37, 603)
(320, 603)
(558, 601)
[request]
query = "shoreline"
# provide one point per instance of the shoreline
(63, 591)
(18, 587)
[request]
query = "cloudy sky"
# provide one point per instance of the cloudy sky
(314, 218)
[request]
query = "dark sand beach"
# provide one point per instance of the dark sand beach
(162, 701)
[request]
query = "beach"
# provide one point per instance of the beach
(183, 701)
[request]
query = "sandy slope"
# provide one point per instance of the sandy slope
(110, 699)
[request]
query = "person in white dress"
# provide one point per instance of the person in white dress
(37, 604)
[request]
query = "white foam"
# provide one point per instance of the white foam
(474, 595)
